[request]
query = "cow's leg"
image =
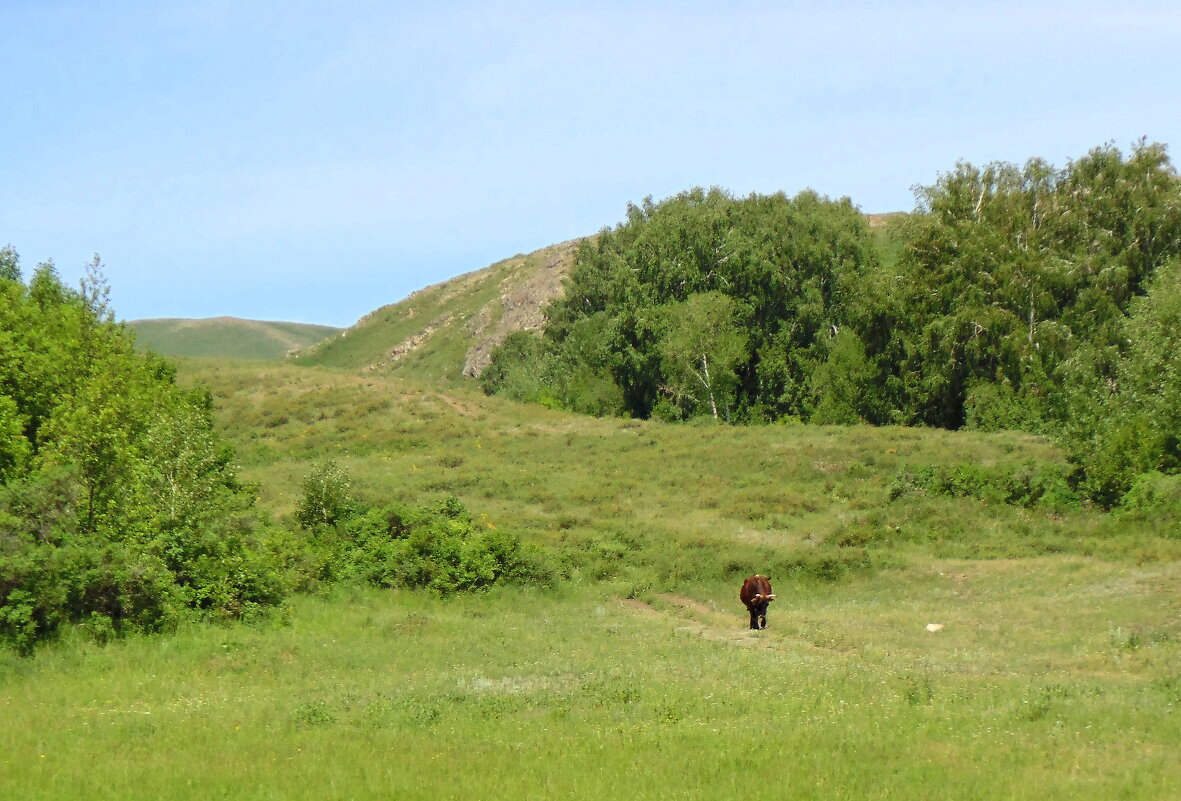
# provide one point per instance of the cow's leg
(754, 619)
(763, 620)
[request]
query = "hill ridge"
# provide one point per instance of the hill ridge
(449, 329)
(226, 337)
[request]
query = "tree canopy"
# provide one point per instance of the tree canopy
(1006, 272)
(778, 266)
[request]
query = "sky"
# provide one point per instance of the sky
(312, 161)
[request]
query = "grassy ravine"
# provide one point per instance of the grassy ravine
(1057, 673)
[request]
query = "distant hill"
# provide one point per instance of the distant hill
(227, 337)
(447, 331)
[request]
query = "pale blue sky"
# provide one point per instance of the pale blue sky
(311, 161)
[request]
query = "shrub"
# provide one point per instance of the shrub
(1154, 495)
(43, 587)
(439, 547)
(325, 499)
(1027, 485)
(119, 505)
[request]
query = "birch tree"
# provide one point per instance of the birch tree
(700, 351)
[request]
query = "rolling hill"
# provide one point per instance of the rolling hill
(447, 331)
(227, 337)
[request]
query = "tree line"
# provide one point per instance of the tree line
(1022, 297)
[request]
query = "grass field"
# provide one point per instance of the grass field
(1054, 678)
(1057, 674)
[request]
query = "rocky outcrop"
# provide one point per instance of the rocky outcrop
(524, 294)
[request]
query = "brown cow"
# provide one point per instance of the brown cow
(756, 594)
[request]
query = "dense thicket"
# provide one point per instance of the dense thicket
(1009, 273)
(1123, 425)
(701, 304)
(119, 506)
(1043, 299)
(439, 547)
(1023, 297)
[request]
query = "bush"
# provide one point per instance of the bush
(325, 499)
(44, 587)
(439, 548)
(120, 507)
(1027, 485)
(1154, 495)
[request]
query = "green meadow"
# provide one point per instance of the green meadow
(1056, 673)
(1053, 678)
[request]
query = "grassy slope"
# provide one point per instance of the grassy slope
(227, 337)
(559, 477)
(447, 306)
(431, 334)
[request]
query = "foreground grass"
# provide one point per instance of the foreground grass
(1056, 677)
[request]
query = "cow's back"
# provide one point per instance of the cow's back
(754, 586)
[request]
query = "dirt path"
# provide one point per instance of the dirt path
(701, 619)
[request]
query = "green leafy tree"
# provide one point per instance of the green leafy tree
(700, 351)
(15, 450)
(842, 382)
(785, 262)
(119, 506)
(1007, 272)
(1130, 425)
(9, 264)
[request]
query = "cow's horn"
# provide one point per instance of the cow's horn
(758, 596)
(771, 597)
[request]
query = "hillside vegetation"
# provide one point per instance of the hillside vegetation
(446, 332)
(227, 337)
